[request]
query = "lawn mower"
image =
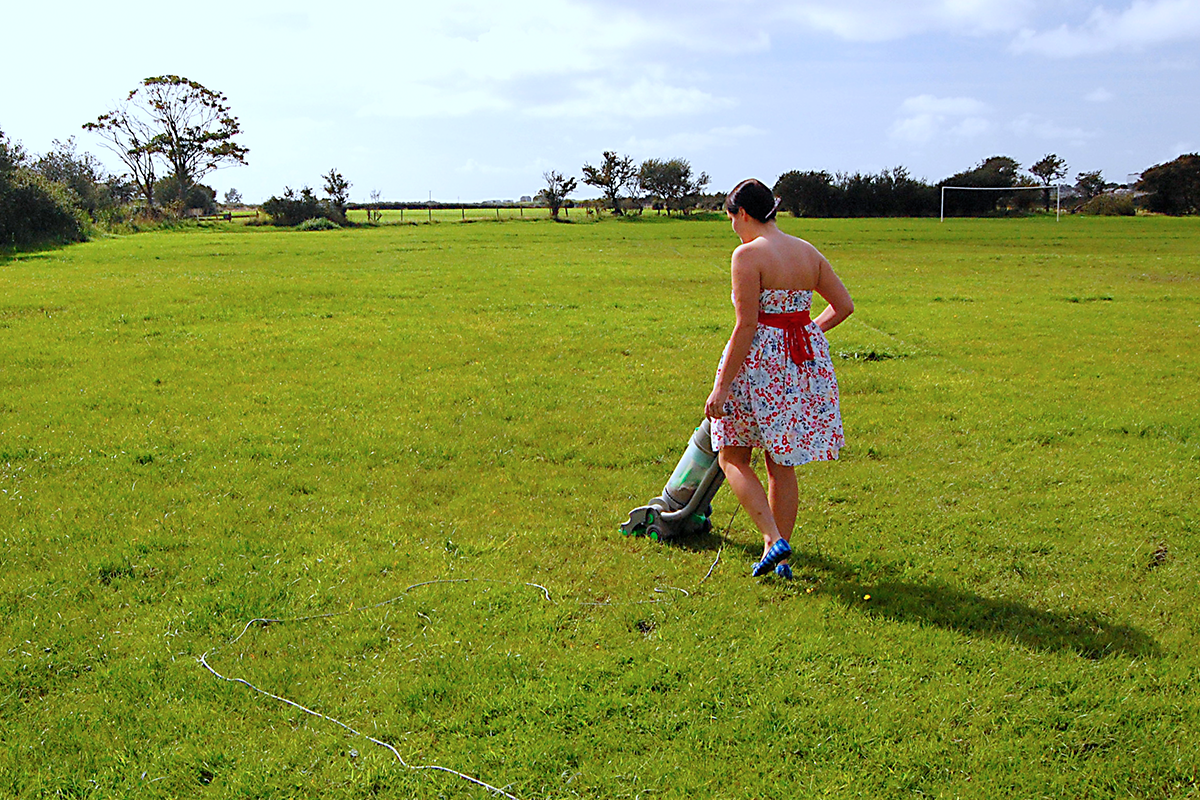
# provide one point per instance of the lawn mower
(685, 506)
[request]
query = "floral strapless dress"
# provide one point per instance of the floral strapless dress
(789, 410)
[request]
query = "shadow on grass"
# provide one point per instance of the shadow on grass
(1084, 632)
(29, 252)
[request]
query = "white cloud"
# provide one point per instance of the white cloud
(1144, 24)
(417, 101)
(478, 40)
(970, 128)
(1100, 95)
(600, 100)
(586, 61)
(473, 167)
(918, 130)
(739, 26)
(883, 20)
(943, 106)
(606, 99)
(693, 142)
(926, 117)
(712, 27)
(1030, 126)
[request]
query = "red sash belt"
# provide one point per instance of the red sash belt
(795, 333)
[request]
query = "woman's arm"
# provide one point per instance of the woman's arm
(746, 289)
(830, 287)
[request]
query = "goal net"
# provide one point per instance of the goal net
(1057, 194)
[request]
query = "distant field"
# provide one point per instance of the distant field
(390, 216)
(996, 584)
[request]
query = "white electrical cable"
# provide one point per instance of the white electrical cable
(372, 739)
(268, 621)
(724, 539)
(264, 621)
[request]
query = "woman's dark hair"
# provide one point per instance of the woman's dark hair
(754, 196)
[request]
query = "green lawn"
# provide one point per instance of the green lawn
(996, 584)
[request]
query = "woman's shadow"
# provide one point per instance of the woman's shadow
(1082, 632)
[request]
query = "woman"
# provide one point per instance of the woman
(775, 388)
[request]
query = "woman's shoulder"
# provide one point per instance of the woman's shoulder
(757, 248)
(805, 251)
(803, 244)
(749, 253)
(782, 246)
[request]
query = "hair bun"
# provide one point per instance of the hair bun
(753, 196)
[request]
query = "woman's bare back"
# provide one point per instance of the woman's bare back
(784, 262)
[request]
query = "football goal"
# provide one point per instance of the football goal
(1057, 195)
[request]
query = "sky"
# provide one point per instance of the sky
(473, 101)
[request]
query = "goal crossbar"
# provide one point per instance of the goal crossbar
(1057, 195)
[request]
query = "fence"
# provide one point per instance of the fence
(456, 213)
(227, 216)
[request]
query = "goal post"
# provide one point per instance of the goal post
(1057, 195)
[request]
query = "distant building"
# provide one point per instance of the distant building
(526, 198)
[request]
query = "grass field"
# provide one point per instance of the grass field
(429, 435)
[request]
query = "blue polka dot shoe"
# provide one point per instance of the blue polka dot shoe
(776, 553)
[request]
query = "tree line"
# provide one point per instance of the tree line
(626, 187)
(1170, 188)
(896, 193)
(169, 132)
(666, 185)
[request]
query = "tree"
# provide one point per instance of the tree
(178, 120)
(82, 173)
(292, 208)
(1048, 170)
(1110, 205)
(866, 195)
(1174, 187)
(374, 215)
(12, 155)
(195, 129)
(655, 181)
(33, 208)
(910, 197)
(123, 190)
(1089, 184)
(129, 136)
(806, 194)
(558, 188)
(199, 197)
(636, 192)
(233, 197)
(893, 192)
(614, 175)
(671, 182)
(338, 189)
(997, 172)
(693, 188)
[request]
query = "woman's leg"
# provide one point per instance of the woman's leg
(783, 494)
(735, 461)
